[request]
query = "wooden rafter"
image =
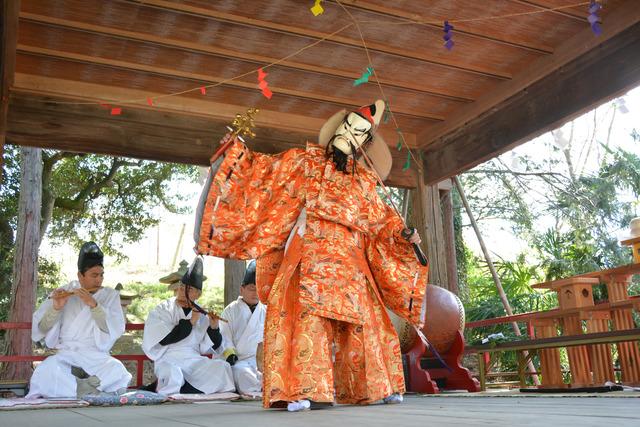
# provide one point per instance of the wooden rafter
(205, 79)
(583, 72)
(413, 54)
(461, 29)
(417, 87)
(183, 137)
(127, 50)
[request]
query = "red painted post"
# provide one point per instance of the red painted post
(140, 372)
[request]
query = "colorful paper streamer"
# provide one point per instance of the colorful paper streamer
(317, 8)
(407, 164)
(364, 77)
(448, 35)
(116, 111)
(387, 113)
(594, 19)
(400, 139)
(203, 90)
(263, 85)
(150, 102)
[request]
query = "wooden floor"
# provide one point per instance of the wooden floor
(453, 410)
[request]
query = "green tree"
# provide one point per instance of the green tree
(111, 200)
(584, 208)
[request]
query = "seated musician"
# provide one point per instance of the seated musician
(172, 280)
(82, 320)
(176, 335)
(243, 333)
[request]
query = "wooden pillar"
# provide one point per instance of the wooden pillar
(233, 274)
(428, 220)
(576, 292)
(449, 235)
(578, 355)
(600, 354)
(550, 367)
(628, 352)
(25, 263)
(9, 10)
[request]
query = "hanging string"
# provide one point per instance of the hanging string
(203, 89)
(402, 139)
(438, 22)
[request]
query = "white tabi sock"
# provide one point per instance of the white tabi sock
(300, 405)
(393, 398)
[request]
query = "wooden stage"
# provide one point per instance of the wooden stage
(491, 408)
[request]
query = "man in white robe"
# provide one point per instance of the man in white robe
(243, 333)
(82, 320)
(176, 336)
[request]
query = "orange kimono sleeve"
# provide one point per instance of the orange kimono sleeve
(253, 202)
(401, 279)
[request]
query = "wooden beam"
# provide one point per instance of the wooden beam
(153, 134)
(414, 54)
(620, 19)
(207, 79)
(74, 91)
(588, 70)
(9, 37)
(208, 49)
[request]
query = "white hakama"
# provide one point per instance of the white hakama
(80, 342)
(242, 335)
(183, 361)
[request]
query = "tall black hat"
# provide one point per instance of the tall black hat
(90, 255)
(250, 274)
(194, 277)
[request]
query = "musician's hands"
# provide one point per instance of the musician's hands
(86, 297)
(214, 320)
(195, 316)
(232, 359)
(59, 298)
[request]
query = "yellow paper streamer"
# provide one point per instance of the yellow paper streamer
(317, 8)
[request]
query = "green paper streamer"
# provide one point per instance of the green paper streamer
(387, 113)
(364, 78)
(400, 139)
(407, 164)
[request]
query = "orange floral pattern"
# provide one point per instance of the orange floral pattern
(334, 280)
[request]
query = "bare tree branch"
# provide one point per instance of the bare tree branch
(511, 172)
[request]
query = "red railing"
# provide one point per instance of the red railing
(527, 317)
(138, 358)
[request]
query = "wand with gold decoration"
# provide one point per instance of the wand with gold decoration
(242, 126)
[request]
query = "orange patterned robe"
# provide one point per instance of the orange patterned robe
(336, 258)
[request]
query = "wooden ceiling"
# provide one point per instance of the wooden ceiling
(505, 80)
